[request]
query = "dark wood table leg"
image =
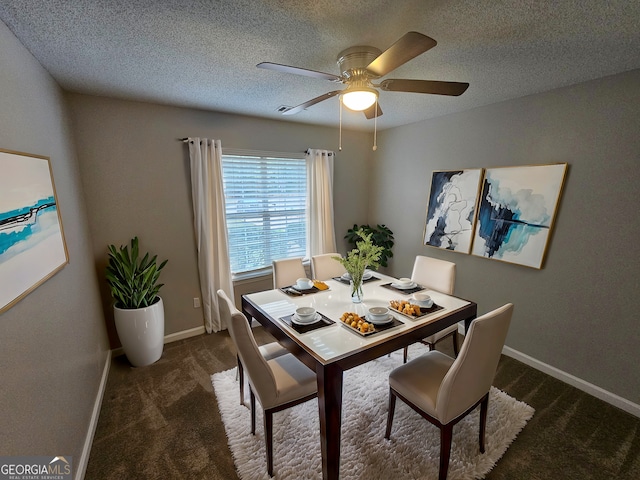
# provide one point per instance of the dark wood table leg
(467, 323)
(330, 408)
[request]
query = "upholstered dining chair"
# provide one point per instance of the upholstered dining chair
(325, 267)
(439, 275)
(286, 271)
(444, 390)
(279, 383)
(268, 351)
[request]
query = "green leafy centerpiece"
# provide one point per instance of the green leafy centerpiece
(366, 254)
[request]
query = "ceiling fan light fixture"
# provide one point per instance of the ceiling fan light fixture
(359, 98)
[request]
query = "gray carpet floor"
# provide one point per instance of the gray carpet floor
(163, 422)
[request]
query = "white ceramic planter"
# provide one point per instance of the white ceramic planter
(141, 332)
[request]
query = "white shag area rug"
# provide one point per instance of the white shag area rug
(413, 451)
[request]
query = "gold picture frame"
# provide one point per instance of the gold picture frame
(517, 212)
(32, 243)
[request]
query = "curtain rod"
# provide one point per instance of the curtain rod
(186, 139)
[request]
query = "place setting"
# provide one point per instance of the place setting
(306, 319)
(305, 286)
(417, 306)
(406, 286)
(377, 319)
(368, 276)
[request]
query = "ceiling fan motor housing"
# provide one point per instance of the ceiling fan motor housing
(354, 60)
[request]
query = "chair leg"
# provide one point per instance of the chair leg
(406, 354)
(268, 440)
(446, 435)
(484, 407)
(392, 408)
(252, 403)
(241, 380)
(455, 343)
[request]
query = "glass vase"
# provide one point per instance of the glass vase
(356, 292)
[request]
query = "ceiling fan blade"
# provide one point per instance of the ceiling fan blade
(424, 86)
(409, 46)
(371, 111)
(309, 103)
(299, 71)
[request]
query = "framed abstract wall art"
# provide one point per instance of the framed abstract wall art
(32, 244)
(516, 212)
(451, 209)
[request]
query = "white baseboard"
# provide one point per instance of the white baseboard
(172, 337)
(95, 414)
(601, 393)
(192, 332)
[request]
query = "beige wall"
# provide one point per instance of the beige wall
(53, 342)
(136, 175)
(579, 313)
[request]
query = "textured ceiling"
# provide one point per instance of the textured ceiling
(203, 54)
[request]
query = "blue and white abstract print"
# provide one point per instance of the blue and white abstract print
(31, 240)
(451, 209)
(516, 212)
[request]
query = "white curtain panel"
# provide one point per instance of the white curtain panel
(320, 228)
(210, 225)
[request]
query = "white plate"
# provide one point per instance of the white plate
(298, 321)
(365, 276)
(389, 319)
(427, 304)
(404, 287)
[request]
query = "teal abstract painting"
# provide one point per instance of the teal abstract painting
(32, 245)
(516, 212)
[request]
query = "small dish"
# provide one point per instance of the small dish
(298, 321)
(403, 286)
(421, 296)
(303, 284)
(379, 313)
(305, 313)
(388, 318)
(422, 303)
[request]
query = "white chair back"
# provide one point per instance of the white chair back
(286, 271)
(434, 274)
(325, 267)
(260, 374)
(471, 374)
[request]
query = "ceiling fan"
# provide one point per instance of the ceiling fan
(362, 64)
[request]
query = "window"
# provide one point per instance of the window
(265, 200)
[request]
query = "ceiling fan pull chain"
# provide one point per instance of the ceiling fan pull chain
(340, 134)
(375, 128)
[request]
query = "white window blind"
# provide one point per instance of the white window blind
(266, 209)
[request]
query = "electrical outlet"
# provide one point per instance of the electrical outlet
(196, 302)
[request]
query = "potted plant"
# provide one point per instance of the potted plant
(365, 255)
(138, 309)
(381, 236)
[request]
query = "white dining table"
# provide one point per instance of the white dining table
(334, 348)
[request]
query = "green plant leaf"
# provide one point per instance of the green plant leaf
(133, 283)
